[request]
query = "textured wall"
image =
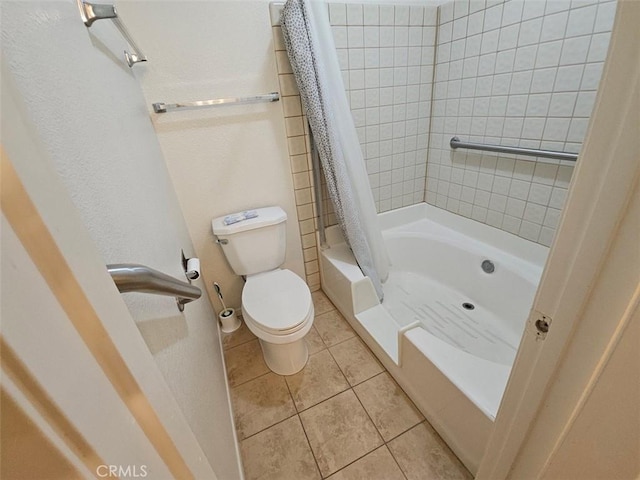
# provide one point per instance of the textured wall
(92, 118)
(226, 159)
(517, 73)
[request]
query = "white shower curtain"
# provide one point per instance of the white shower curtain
(309, 42)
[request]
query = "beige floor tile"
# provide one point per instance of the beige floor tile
(355, 360)
(377, 465)
(320, 379)
(314, 342)
(278, 453)
(422, 454)
(339, 432)
(388, 406)
(321, 303)
(240, 336)
(333, 328)
(245, 362)
(260, 403)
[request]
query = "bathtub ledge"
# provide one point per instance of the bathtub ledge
(482, 381)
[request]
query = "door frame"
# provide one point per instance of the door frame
(604, 181)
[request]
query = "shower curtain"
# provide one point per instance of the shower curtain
(309, 42)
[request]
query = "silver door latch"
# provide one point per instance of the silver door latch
(542, 324)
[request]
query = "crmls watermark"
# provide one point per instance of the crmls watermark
(122, 471)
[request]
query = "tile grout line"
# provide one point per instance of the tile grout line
(369, 417)
(238, 345)
(405, 394)
(396, 460)
(250, 380)
(328, 348)
(303, 429)
(298, 412)
(267, 428)
(410, 428)
(360, 457)
(322, 401)
(384, 442)
(313, 454)
(342, 371)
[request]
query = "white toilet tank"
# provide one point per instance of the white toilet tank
(253, 245)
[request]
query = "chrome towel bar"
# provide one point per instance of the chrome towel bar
(130, 277)
(90, 12)
(267, 97)
(457, 143)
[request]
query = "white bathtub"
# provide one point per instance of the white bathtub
(453, 361)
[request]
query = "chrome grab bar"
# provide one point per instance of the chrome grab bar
(457, 143)
(161, 107)
(130, 277)
(90, 12)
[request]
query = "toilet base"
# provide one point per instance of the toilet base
(285, 358)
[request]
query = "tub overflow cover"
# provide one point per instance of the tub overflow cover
(488, 266)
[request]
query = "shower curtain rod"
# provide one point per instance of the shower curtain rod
(457, 143)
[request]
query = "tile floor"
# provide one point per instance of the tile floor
(342, 417)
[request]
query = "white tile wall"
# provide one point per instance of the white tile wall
(386, 54)
(519, 73)
(299, 157)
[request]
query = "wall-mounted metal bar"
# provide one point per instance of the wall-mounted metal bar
(456, 143)
(130, 277)
(267, 97)
(90, 12)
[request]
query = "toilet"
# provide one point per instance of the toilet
(276, 303)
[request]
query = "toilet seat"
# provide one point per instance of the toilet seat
(277, 302)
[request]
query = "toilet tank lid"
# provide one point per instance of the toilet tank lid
(263, 218)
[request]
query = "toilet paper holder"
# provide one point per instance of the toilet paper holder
(191, 267)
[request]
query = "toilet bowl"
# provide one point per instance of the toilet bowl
(276, 303)
(277, 308)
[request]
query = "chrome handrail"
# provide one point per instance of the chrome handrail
(131, 277)
(457, 143)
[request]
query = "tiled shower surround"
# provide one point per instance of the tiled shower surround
(299, 156)
(516, 73)
(386, 55)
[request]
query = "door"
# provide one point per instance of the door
(588, 293)
(76, 372)
(83, 105)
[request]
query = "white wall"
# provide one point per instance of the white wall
(225, 159)
(91, 117)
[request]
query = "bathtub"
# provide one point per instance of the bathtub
(447, 330)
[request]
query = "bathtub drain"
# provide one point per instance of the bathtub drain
(468, 306)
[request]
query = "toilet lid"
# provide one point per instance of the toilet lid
(278, 300)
